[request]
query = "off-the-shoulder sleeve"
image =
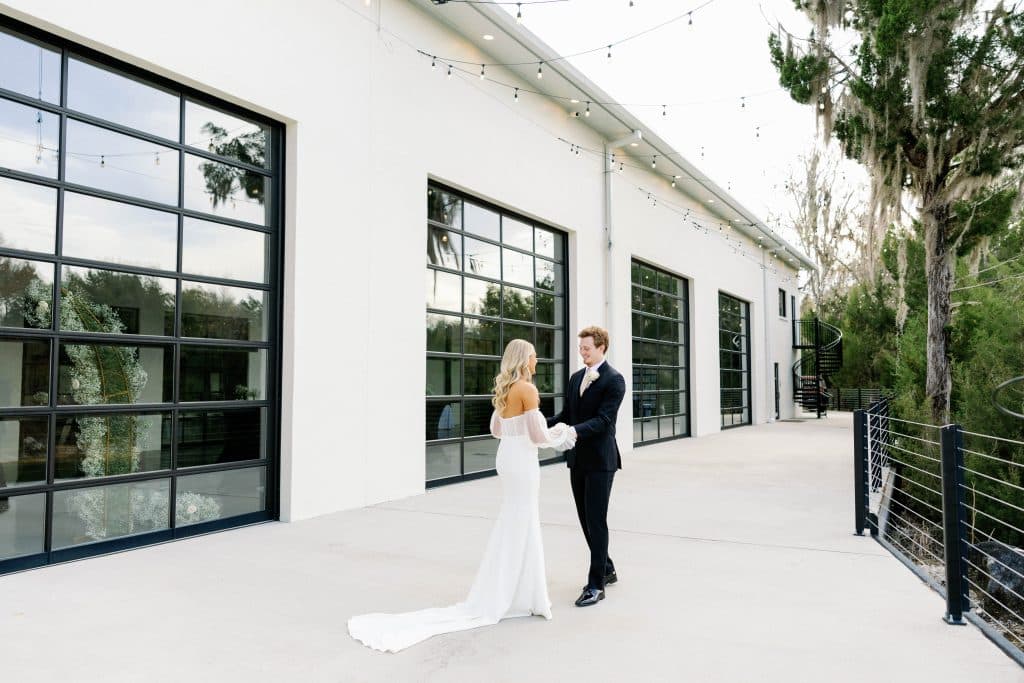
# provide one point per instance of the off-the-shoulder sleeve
(558, 437)
(495, 425)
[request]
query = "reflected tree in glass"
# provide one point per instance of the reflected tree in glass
(24, 295)
(222, 179)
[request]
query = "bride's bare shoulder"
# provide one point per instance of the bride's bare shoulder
(527, 393)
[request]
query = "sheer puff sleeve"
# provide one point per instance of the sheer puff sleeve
(495, 425)
(559, 437)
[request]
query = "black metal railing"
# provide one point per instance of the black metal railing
(854, 398)
(821, 355)
(949, 504)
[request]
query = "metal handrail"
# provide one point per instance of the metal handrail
(1002, 387)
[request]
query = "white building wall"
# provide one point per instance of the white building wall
(368, 123)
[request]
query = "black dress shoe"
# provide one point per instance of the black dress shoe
(589, 596)
(610, 578)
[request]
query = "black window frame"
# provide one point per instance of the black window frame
(273, 228)
(682, 369)
(556, 396)
(782, 303)
(746, 369)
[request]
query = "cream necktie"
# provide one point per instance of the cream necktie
(586, 381)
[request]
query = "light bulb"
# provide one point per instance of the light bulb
(449, 71)
(433, 62)
(654, 161)
(516, 95)
(609, 52)
(481, 72)
(540, 69)
(519, 13)
(587, 112)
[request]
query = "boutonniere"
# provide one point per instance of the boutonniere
(592, 375)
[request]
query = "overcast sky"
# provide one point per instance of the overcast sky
(712, 64)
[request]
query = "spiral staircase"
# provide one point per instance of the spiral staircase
(821, 355)
(1008, 397)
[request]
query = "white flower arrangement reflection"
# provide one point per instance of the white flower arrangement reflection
(110, 444)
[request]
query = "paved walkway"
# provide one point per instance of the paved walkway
(736, 559)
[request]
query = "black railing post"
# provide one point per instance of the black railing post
(953, 524)
(817, 364)
(860, 470)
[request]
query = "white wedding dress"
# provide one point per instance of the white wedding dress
(510, 581)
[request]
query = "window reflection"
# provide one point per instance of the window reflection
(101, 374)
(29, 68)
(104, 230)
(226, 135)
(101, 513)
(444, 420)
(26, 293)
(483, 258)
(110, 161)
(221, 436)
(25, 524)
(110, 444)
(444, 290)
(219, 495)
(444, 333)
(28, 216)
(225, 190)
(23, 444)
(115, 97)
(444, 207)
(218, 250)
(94, 300)
(211, 373)
(517, 267)
(444, 248)
(216, 311)
(29, 139)
(481, 221)
(24, 373)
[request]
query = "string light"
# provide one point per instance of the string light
(481, 72)
(103, 161)
(433, 62)
(587, 112)
(664, 110)
(449, 71)
(540, 69)
(690, 15)
(743, 103)
(519, 13)
(516, 95)
(609, 52)
(156, 158)
(654, 161)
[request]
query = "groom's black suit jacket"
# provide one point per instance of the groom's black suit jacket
(593, 415)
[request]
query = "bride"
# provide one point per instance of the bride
(510, 581)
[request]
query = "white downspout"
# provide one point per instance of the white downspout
(609, 285)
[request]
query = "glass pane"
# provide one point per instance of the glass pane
(516, 332)
(482, 337)
(444, 248)
(480, 376)
(105, 512)
(210, 373)
(109, 444)
(103, 230)
(443, 377)
(478, 417)
(480, 455)
(444, 420)
(516, 233)
(518, 303)
(634, 272)
(108, 95)
(227, 191)
(545, 378)
(94, 300)
(517, 267)
(22, 522)
(668, 283)
(444, 207)
(549, 275)
(483, 258)
(444, 460)
(218, 250)
(548, 244)
(227, 135)
(28, 216)
(546, 309)
(546, 344)
(100, 158)
(482, 298)
(99, 374)
(648, 277)
(26, 293)
(24, 373)
(29, 139)
(215, 437)
(220, 312)
(29, 68)
(220, 495)
(637, 431)
(444, 333)
(481, 221)
(23, 443)
(444, 290)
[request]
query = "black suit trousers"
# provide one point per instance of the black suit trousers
(591, 491)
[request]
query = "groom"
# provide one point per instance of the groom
(591, 407)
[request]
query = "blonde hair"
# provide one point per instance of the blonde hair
(515, 365)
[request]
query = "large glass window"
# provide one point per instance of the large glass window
(734, 360)
(660, 349)
(491, 277)
(139, 260)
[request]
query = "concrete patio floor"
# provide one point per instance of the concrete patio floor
(735, 552)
